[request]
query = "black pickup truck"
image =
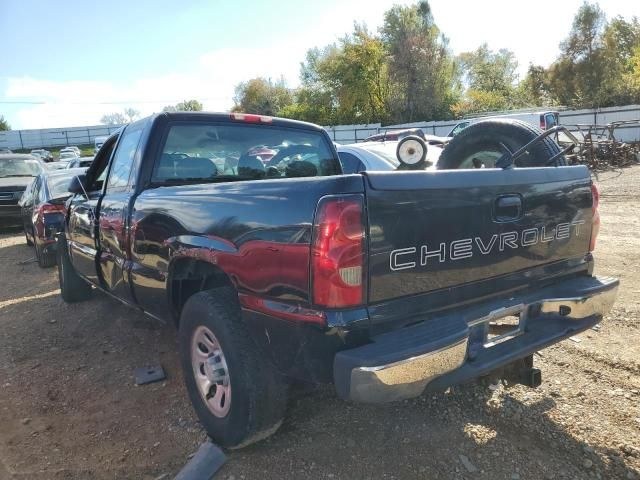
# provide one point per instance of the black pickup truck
(278, 268)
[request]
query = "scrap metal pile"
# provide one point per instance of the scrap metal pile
(599, 147)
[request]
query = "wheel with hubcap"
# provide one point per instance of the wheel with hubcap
(236, 392)
(210, 371)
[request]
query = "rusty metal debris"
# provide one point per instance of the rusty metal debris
(599, 146)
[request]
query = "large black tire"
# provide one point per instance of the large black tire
(29, 242)
(45, 260)
(72, 287)
(258, 393)
(487, 135)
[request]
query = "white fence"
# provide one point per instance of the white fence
(357, 133)
(55, 137)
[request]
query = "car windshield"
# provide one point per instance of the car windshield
(386, 151)
(19, 167)
(59, 185)
(218, 153)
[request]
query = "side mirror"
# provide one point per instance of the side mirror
(412, 153)
(77, 185)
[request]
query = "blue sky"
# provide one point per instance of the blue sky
(83, 59)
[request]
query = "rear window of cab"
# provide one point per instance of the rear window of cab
(236, 152)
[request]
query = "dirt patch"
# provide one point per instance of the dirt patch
(69, 408)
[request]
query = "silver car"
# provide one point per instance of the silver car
(378, 156)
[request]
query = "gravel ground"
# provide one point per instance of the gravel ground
(69, 409)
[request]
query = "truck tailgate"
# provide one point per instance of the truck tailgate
(434, 231)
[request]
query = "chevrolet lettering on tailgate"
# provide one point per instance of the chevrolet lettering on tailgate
(411, 257)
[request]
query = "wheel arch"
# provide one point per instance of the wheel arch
(188, 276)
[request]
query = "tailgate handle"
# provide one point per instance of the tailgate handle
(507, 208)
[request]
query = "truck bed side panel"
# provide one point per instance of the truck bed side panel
(257, 232)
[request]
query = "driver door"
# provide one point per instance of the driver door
(82, 231)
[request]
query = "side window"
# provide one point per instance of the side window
(550, 120)
(350, 163)
(123, 159)
(27, 196)
(35, 192)
(42, 197)
(458, 128)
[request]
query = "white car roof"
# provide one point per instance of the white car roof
(370, 154)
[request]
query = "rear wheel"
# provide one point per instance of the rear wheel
(483, 143)
(29, 242)
(45, 259)
(236, 392)
(72, 287)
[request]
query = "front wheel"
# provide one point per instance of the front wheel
(236, 392)
(72, 287)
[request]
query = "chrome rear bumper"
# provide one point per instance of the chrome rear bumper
(460, 352)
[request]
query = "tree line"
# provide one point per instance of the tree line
(406, 72)
(131, 114)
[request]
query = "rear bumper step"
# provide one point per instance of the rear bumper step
(454, 348)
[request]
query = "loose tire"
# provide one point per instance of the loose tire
(45, 260)
(72, 287)
(236, 392)
(479, 145)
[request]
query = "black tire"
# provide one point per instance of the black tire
(487, 135)
(72, 287)
(26, 237)
(45, 260)
(258, 392)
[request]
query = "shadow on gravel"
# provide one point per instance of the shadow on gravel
(20, 275)
(465, 433)
(70, 409)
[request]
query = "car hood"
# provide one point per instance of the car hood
(21, 182)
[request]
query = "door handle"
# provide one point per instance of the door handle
(507, 208)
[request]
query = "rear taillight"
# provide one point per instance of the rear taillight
(250, 118)
(595, 217)
(49, 208)
(337, 252)
(543, 125)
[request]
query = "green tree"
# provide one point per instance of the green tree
(262, 96)
(184, 106)
(578, 77)
(311, 105)
(532, 90)
(475, 101)
(620, 41)
(490, 80)
(489, 71)
(595, 65)
(422, 70)
(348, 82)
(4, 125)
(632, 77)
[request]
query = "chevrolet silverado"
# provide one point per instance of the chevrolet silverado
(385, 284)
